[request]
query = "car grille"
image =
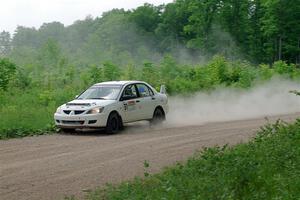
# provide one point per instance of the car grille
(72, 122)
(76, 112)
(67, 111)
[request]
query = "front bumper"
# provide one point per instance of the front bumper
(80, 121)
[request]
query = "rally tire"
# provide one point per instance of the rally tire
(113, 124)
(158, 116)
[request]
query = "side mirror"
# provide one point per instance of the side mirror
(163, 89)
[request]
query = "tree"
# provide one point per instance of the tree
(5, 44)
(95, 74)
(170, 31)
(111, 72)
(256, 30)
(169, 69)
(7, 72)
(26, 37)
(53, 30)
(147, 17)
(255, 34)
(149, 73)
(281, 27)
(200, 22)
(50, 54)
(130, 72)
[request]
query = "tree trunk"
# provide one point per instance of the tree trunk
(298, 57)
(280, 48)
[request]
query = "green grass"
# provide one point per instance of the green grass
(268, 167)
(30, 112)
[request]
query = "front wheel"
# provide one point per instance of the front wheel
(158, 117)
(113, 124)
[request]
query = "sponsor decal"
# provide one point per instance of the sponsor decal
(131, 103)
(130, 106)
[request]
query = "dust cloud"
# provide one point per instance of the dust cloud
(227, 104)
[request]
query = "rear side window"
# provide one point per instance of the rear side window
(144, 90)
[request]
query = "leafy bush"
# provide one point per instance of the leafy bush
(268, 167)
(282, 67)
(7, 71)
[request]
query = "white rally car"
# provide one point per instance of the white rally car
(110, 104)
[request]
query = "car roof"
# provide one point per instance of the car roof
(118, 82)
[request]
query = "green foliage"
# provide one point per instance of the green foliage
(262, 31)
(7, 72)
(282, 67)
(146, 17)
(267, 167)
(45, 97)
(243, 75)
(30, 111)
(22, 79)
(24, 132)
(110, 72)
(130, 72)
(5, 44)
(200, 23)
(216, 69)
(265, 72)
(158, 44)
(50, 54)
(96, 74)
(32, 96)
(149, 73)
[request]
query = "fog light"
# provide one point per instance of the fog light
(92, 121)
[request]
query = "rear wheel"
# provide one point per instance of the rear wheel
(113, 124)
(158, 117)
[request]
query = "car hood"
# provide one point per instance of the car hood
(86, 104)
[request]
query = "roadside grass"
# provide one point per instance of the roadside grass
(30, 112)
(267, 167)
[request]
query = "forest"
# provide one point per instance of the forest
(188, 45)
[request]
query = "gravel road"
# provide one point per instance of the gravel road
(52, 166)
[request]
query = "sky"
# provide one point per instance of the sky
(33, 13)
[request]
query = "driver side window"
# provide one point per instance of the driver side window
(129, 92)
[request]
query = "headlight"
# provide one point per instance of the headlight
(58, 110)
(95, 110)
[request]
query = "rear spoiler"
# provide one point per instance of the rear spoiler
(163, 89)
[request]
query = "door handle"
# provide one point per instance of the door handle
(153, 98)
(137, 101)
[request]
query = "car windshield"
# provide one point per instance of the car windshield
(107, 92)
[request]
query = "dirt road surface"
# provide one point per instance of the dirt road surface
(53, 166)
